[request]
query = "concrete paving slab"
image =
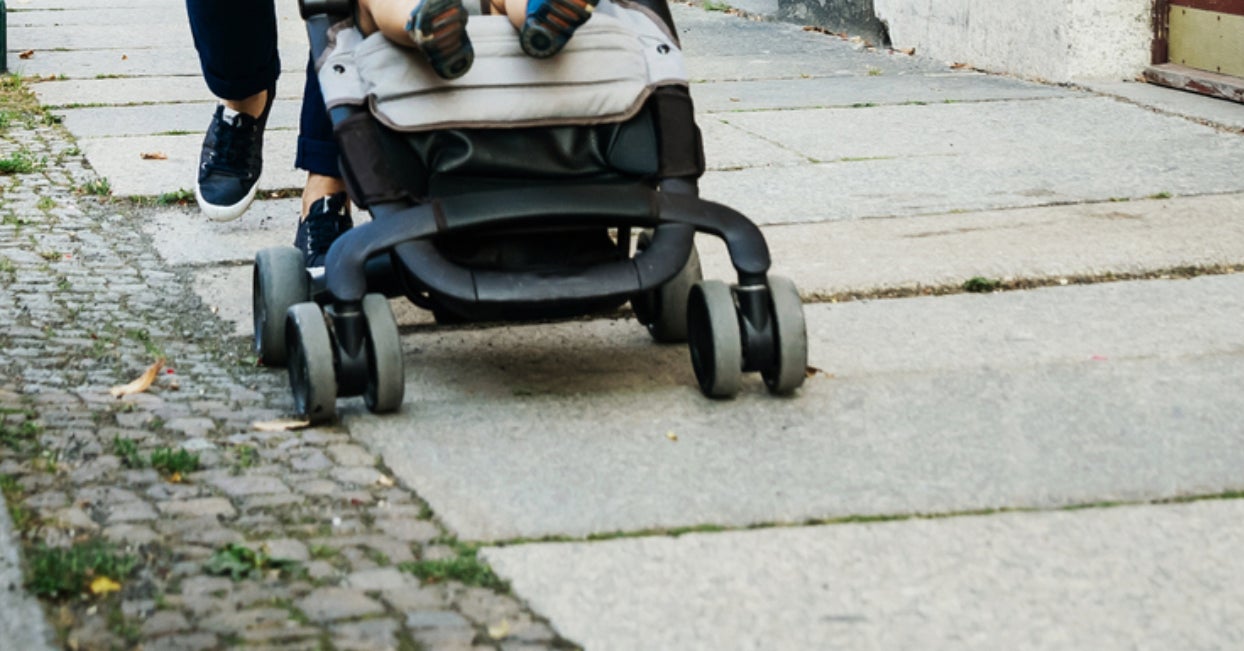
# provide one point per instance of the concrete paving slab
(193, 117)
(226, 290)
(1164, 577)
(931, 405)
(120, 161)
(1034, 243)
(727, 147)
(1191, 105)
(184, 237)
(847, 91)
(137, 62)
(854, 188)
(1042, 133)
(163, 33)
(102, 16)
(136, 90)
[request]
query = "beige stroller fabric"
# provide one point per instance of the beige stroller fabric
(604, 74)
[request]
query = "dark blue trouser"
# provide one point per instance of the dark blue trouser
(236, 40)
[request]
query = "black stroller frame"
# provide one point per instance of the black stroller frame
(338, 335)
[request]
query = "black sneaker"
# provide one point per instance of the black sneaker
(230, 162)
(326, 222)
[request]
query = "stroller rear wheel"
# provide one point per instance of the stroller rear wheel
(312, 375)
(664, 309)
(279, 282)
(714, 338)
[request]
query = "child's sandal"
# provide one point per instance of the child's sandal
(550, 24)
(438, 28)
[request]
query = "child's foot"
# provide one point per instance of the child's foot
(550, 23)
(438, 28)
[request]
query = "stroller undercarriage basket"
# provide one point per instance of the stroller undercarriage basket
(526, 211)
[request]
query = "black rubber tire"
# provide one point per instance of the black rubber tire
(386, 375)
(664, 310)
(714, 339)
(312, 375)
(279, 281)
(791, 336)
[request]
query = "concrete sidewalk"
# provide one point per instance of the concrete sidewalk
(873, 174)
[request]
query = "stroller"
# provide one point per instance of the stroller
(514, 193)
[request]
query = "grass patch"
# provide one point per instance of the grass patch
(64, 572)
(1161, 195)
(465, 567)
(713, 5)
(20, 162)
(239, 562)
(980, 285)
(174, 462)
(46, 203)
(127, 451)
(99, 188)
(20, 437)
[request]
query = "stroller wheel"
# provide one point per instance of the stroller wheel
(279, 281)
(664, 310)
(714, 338)
(791, 360)
(311, 370)
(386, 379)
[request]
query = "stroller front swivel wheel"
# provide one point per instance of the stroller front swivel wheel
(714, 338)
(386, 378)
(279, 281)
(312, 375)
(790, 363)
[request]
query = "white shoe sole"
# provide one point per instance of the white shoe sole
(224, 213)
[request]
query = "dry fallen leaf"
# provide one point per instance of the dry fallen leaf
(385, 481)
(813, 371)
(26, 55)
(125, 57)
(282, 425)
(103, 585)
(671, 436)
(154, 155)
(141, 384)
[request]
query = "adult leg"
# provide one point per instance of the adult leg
(325, 211)
(236, 42)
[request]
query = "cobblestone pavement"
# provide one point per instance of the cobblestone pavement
(86, 305)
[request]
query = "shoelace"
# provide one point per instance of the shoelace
(233, 143)
(322, 230)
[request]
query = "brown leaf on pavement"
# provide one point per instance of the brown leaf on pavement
(282, 425)
(26, 54)
(141, 384)
(154, 155)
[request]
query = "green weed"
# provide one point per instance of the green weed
(239, 562)
(127, 450)
(63, 572)
(465, 567)
(20, 162)
(99, 187)
(979, 285)
(171, 462)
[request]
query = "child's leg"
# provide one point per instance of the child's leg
(436, 27)
(549, 24)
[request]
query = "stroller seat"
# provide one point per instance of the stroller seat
(513, 192)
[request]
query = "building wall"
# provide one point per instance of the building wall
(1055, 40)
